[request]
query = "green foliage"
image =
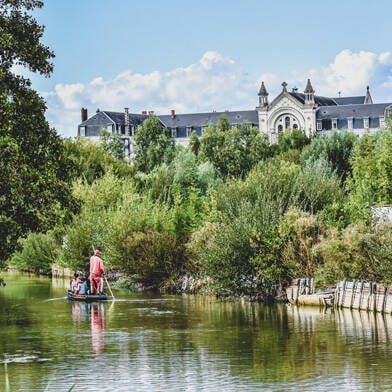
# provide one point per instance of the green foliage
(35, 173)
(89, 226)
(90, 161)
(292, 139)
(242, 253)
(371, 179)
(233, 151)
(112, 144)
(335, 149)
(39, 252)
(357, 252)
(194, 143)
(300, 232)
(184, 175)
(154, 146)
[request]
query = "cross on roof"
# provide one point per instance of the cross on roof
(284, 84)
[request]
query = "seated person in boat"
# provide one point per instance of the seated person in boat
(83, 287)
(96, 273)
(73, 282)
(79, 283)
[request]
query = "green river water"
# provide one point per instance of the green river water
(152, 342)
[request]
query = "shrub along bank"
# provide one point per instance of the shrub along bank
(229, 207)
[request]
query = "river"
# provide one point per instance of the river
(152, 342)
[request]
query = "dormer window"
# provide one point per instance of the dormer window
(334, 124)
(366, 122)
(319, 125)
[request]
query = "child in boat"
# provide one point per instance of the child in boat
(73, 282)
(79, 283)
(83, 287)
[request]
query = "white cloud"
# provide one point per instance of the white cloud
(349, 73)
(215, 82)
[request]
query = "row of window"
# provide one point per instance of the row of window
(350, 123)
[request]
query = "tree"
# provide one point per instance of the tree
(112, 144)
(335, 149)
(34, 190)
(194, 143)
(370, 182)
(153, 145)
(233, 151)
(292, 139)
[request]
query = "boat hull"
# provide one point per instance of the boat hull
(86, 298)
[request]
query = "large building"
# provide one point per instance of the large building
(289, 110)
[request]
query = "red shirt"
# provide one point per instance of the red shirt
(96, 266)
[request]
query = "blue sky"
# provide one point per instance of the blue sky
(208, 55)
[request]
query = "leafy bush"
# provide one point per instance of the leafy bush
(39, 252)
(371, 179)
(300, 232)
(336, 149)
(91, 161)
(357, 252)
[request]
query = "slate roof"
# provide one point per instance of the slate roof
(203, 119)
(119, 118)
(356, 111)
(320, 101)
(350, 100)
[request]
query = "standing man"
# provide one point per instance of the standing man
(96, 272)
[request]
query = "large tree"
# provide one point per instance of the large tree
(154, 145)
(233, 150)
(34, 173)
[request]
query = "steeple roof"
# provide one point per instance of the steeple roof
(263, 90)
(309, 88)
(368, 98)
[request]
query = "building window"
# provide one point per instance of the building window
(174, 132)
(280, 128)
(109, 128)
(287, 122)
(188, 131)
(382, 122)
(82, 131)
(295, 126)
(334, 124)
(350, 123)
(319, 126)
(366, 122)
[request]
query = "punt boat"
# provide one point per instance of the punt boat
(86, 298)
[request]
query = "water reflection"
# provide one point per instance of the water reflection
(189, 343)
(93, 313)
(97, 326)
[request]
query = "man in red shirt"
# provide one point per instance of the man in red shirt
(96, 272)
